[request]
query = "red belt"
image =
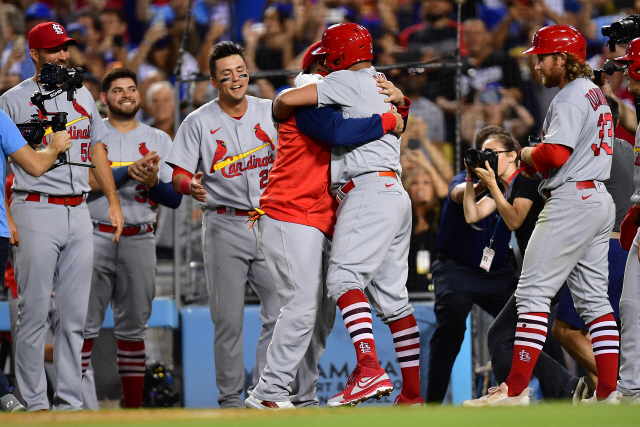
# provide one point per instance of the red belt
(238, 212)
(350, 185)
(57, 200)
(126, 231)
(580, 185)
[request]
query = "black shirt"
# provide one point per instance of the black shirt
(498, 69)
(526, 188)
(425, 241)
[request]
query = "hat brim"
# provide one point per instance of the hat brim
(319, 51)
(54, 43)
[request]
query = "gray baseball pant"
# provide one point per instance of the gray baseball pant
(370, 245)
(295, 257)
(570, 242)
(51, 237)
(629, 382)
(231, 257)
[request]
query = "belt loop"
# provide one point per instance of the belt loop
(231, 211)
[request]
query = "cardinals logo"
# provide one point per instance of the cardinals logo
(142, 148)
(221, 151)
(106, 149)
(80, 109)
(262, 136)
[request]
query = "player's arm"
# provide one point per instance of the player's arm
(36, 163)
(545, 157)
(627, 116)
(286, 102)
(104, 177)
(327, 125)
(184, 182)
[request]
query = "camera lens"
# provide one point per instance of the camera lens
(625, 28)
(472, 157)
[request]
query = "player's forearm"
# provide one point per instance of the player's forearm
(102, 174)
(164, 194)
(525, 157)
(181, 184)
(286, 102)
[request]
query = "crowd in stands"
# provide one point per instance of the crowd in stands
(498, 85)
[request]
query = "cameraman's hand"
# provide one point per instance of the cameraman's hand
(13, 231)
(60, 141)
(605, 87)
(487, 176)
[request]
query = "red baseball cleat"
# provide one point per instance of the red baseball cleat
(403, 401)
(363, 384)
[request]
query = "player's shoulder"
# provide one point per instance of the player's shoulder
(260, 103)
(154, 132)
(206, 111)
(19, 90)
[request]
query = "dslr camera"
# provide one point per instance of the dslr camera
(476, 158)
(52, 76)
(622, 31)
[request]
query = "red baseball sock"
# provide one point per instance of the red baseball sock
(87, 346)
(131, 366)
(356, 313)
(406, 340)
(531, 333)
(606, 343)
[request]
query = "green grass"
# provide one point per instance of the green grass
(556, 415)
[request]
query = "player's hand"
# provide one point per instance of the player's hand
(141, 169)
(399, 123)
(60, 141)
(197, 189)
(13, 231)
(396, 97)
(117, 220)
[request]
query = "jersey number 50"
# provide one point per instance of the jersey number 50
(605, 121)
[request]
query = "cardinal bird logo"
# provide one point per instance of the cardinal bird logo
(221, 151)
(262, 136)
(142, 147)
(106, 148)
(80, 109)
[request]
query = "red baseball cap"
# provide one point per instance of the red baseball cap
(309, 58)
(48, 35)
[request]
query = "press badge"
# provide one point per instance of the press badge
(487, 258)
(423, 262)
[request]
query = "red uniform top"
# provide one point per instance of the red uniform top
(299, 182)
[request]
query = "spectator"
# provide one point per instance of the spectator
(160, 105)
(496, 107)
(459, 280)
(93, 29)
(436, 31)
(93, 85)
(114, 34)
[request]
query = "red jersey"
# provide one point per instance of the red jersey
(298, 190)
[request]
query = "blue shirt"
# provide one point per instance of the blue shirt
(458, 241)
(11, 141)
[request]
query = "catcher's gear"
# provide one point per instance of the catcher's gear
(557, 39)
(629, 228)
(345, 45)
(632, 59)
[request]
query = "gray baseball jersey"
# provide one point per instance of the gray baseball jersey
(123, 150)
(64, 180)
(579, 118)
(629, 382)
(235, 156)
(53, 238)
(209, 138)
(357, 93)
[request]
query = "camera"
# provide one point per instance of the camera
(476, 158)
(622, 31)
(52, 76)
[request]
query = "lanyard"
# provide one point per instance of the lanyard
(500, 216)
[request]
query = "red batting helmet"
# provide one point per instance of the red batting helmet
(345, 45)
(632, 59)
(559, 38)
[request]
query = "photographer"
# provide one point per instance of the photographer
(55, 228)
(458, 277)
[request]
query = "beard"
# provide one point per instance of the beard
(125, 113)
(552, 79)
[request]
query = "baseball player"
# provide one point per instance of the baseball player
(55, 232)
(230, 146)
(629, 383)
(571, 238)
(371, 240)
(297, 217)
(123, 274)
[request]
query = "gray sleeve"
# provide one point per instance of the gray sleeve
(165, 172)
(99, 130)
(564, 128)
(341, 88)
(185, 151)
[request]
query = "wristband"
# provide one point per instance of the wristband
(185, 186)
(468, 179)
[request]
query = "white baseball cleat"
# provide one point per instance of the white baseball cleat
(633, 399)
(613, 399)
(580, 393)
(499, 396)
(255, 403)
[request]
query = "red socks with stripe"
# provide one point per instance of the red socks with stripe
(606, 343)
(87, 346)
(406, 340)
(131, 367)
(356, 313)
(531, 333)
